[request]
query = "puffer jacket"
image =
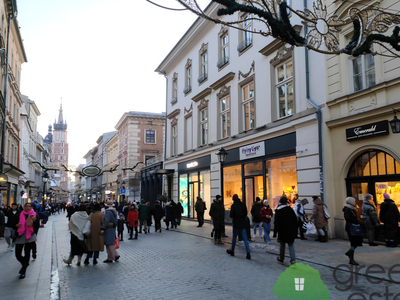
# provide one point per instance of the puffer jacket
(369, 214)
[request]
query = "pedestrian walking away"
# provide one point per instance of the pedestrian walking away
(108, 229)
(120, 227)
(238, 215)
(133, 221)
(370, 218)
(217, 213)
(144, 210)
(76, 225)
(255, 213)
(170, 211)
(286, 228)
(179, 212)
(390, 218)
(158, 215)
(349, 211)
(266, 215)
(200, 208)
(95, 241)
(26, 236)
(318, 217)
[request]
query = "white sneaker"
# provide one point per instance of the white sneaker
(12, 249)
(8, 247)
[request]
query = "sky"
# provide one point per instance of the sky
(96, 58)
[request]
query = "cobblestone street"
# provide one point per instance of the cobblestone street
(174, 264)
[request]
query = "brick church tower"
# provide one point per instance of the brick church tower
(60, 151)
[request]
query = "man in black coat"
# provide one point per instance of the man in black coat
(238, 215)
(217, 213)
(286, 227)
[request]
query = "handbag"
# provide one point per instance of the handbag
(116, 243)
(355, 229)
(86, 229)
(326, 213)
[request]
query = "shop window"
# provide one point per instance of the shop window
(183, 193)
(232, 184)
(281, 179)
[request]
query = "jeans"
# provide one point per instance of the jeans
(259, 228)
(371, 235)
(90, 254)
(267, 230)
(244, 236)
(200, 218)
(291, 251)
(8, 234)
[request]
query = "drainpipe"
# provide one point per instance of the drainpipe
(319, 119)
(165, 127)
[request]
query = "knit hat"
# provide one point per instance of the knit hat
(110, 204)
(121, 215)
(351, 200)
(386, 196)
(283, 200)
(265, 201)
(368, 196)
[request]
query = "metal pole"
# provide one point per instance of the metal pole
(223, 201)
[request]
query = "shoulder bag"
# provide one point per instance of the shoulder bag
(355, 229)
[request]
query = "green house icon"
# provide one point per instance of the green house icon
(300, 281)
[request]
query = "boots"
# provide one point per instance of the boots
(136, 235)
(324, 239)
(319, 238)
(68, 261)
(350, 254)
(79, 260)
(86, 262)
(220, 242)
(94, 261)
(145, 231)
(215, 241)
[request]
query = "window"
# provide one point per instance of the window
(248, 106)
(225, 112)
(363, 72)
(188, 77)
(204, 126)
(174, 88)
(284, 89)
(150, 136)
(224, 49)
(246, 33)
(203, 64)
(174, 146)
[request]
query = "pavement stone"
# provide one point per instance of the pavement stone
(184, 263)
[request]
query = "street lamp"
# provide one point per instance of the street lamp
(222, 154)
(395, 123)
(46, 178)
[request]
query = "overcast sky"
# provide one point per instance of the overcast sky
(97, 58)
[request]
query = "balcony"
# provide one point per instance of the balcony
(243, 45)
(223, 61)
(187, 89)
(201, 78)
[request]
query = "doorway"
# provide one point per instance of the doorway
(253, 187)
(192, 195)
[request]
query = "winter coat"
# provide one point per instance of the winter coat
(133, 217)
(95, 242)
(120, 224)
(13, 219)
(318, 215)
(149, 217)
(144, 211)
(369, 214)
(217, 212)
(285, 224)
(200, 206)
(255, 212)
(266, 214)
(390, 218)
(158, 212)
(238, 214)
(179, 209)
(351, 217)
(170, 211)
(110, 217)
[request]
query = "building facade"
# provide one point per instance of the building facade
(111, 151)
(362, 153)
(252, 96)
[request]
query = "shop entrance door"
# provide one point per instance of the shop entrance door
(253, 187)
(193, 193)
(357, 190)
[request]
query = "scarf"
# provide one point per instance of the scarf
(26, 223)
(352, 207)
(77, 223)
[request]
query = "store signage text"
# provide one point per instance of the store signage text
(368, 130)
(192, 164)
(251, 151)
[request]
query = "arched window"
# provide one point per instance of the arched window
(374, 163)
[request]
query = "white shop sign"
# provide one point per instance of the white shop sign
(253, 150)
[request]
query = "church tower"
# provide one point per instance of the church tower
(60, 151)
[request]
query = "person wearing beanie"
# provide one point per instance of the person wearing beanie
(266, 215)
(370, 218)
(390, 218)
(349, 211)
(286, 227)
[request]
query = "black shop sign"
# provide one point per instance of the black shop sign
(367, 131)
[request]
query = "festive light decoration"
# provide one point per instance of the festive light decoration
(369, 23)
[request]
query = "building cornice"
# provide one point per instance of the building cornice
(174, 113)
(224, 80)
(202, 94)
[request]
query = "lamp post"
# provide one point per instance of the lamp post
(395, 123)
(222, 154)
(45, 180)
